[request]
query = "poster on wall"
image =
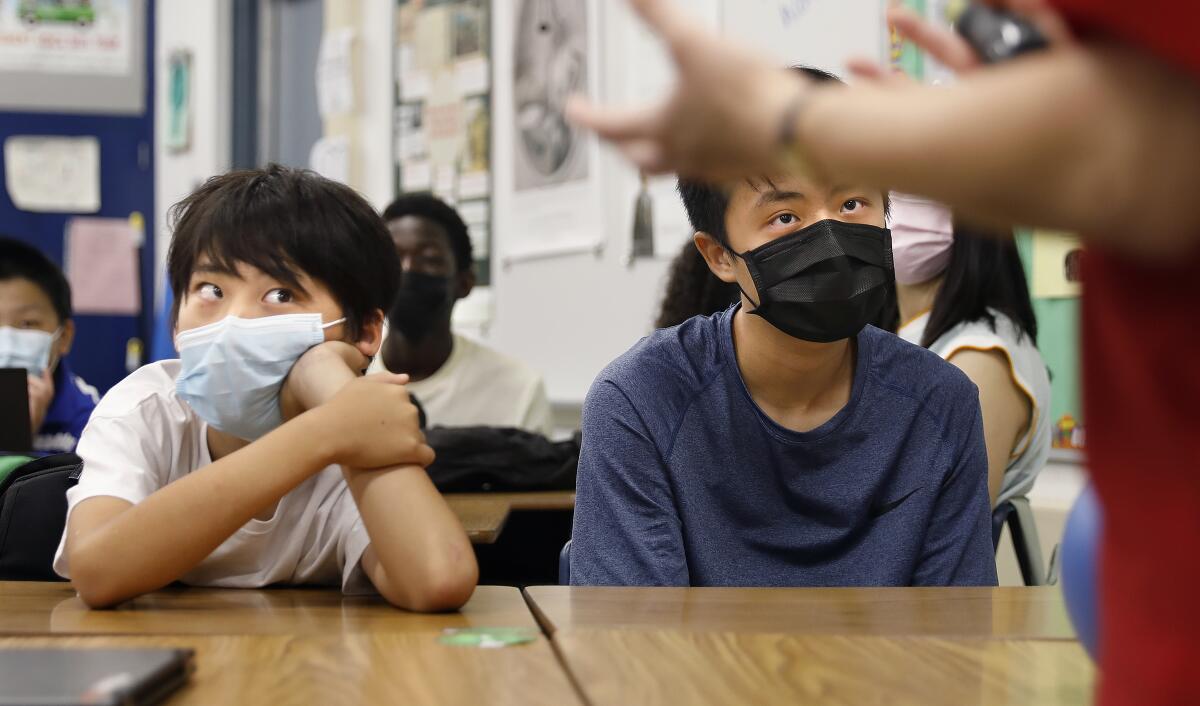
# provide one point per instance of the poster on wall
(549, 64)
(442, 121)
(548, 174)
(94, 37)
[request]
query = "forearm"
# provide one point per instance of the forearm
(160, 539)
(420, 557)
(1095, 139)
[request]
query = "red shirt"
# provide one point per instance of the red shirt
(1141, 375)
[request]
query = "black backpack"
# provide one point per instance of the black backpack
(482, 459)
(33, 512)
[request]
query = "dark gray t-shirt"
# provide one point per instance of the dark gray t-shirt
(683, 480)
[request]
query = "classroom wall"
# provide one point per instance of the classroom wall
(570, 316)
(205, 29)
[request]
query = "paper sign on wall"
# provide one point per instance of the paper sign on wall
(330, 157)
(1055, 264)
(335, 73)
(53, 174)
(101, 259)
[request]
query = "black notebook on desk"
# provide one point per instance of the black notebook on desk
(91, 677)
(16, 436)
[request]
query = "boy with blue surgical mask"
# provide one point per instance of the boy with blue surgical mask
(263, 456)
(36, 333)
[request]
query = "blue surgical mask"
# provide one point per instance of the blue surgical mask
(233, 370)
(26, 348)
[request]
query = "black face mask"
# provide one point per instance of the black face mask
(423, 301)
(824, 282)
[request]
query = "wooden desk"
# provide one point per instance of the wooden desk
(650, 666)
(1017, 612)
(41, 608)
(482, 518)
(303, 645)
(355, 668)
(484, 515)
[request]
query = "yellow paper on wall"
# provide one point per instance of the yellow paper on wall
(1055, 264)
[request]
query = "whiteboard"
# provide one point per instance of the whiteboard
(823, 34)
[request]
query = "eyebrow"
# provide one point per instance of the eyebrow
(211, 269)
(773, 196)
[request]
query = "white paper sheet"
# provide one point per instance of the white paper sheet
(53, 174)
(335, 73)
(330, 157)
(102, 265)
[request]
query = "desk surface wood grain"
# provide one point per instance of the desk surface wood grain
(376, 668)
(40, 608)
(650, 667)
(1017, 612)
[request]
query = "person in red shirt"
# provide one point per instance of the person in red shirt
(1099, 134)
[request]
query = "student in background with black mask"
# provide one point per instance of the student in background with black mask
(459, 382)
(784, 442)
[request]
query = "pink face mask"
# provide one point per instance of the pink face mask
(922, 234)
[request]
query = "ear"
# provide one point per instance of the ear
(369, 340)
(464, 282)
(66, 339)
(720, 261)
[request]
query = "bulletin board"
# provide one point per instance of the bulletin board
(442, 125)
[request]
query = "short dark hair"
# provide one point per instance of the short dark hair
(20, 260)
(425, 205)
(287, 222)
(693, 290)
(706, 203)
(984, 272)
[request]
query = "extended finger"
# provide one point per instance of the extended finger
(939, 42)
(869, 71)
(666, 19)
(613, 123)
(647, 155)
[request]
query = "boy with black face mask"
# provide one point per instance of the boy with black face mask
(785, 441)
(458, 381)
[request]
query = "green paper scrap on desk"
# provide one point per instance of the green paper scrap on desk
(487, 638)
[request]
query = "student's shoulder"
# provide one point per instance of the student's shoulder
(907, 369)
(151, 386)
(669, 364)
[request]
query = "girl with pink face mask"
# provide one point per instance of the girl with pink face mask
(964, 297)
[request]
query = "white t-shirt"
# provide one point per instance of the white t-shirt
(478, 386)
(142, 437)
(1028, 372)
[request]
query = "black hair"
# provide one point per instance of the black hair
(287, 222)
(425, 205)
(706, 203)
(984, 272)
(693, 290)
(20, 260)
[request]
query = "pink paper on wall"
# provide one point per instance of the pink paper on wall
(101, 257)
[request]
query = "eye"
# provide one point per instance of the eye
(852, 206)
(279, 296)
(786, 219)
(209, 292)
